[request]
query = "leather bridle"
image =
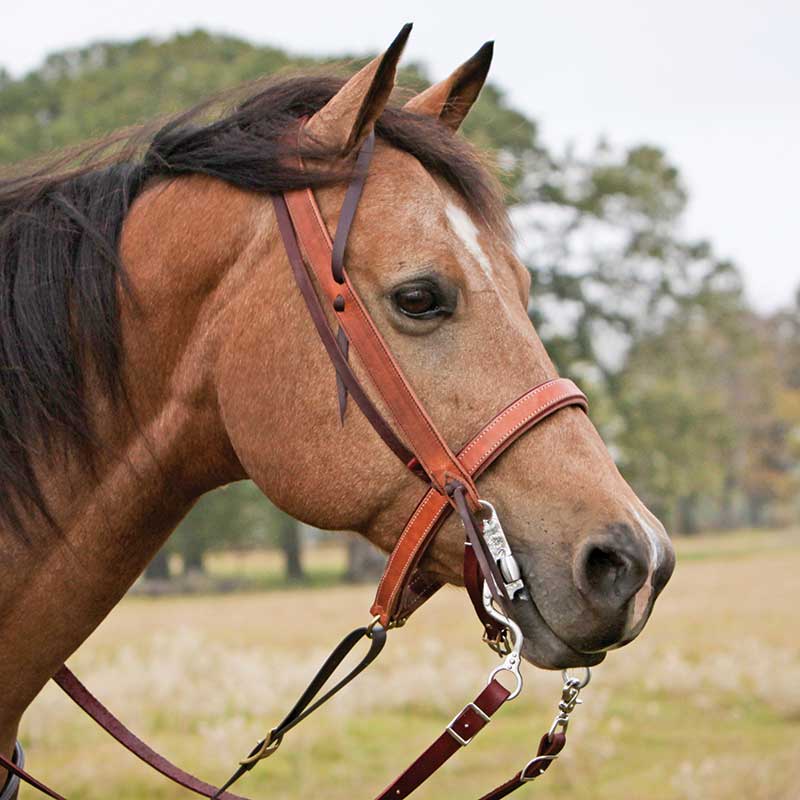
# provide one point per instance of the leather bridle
(491, 574)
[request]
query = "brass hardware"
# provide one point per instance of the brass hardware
(267, 748)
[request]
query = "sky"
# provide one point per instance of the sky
(715, 83)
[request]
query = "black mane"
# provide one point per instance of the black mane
(59, 270)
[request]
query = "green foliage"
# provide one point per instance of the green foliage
(697, 395)
(85, 93)
(236, 516)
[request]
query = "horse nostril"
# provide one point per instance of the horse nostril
(608, 574)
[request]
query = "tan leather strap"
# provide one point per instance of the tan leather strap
(428, 446)
(346, 378)
(511, 423)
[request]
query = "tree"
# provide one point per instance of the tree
(696, 394)
(601, 238)
(236, 516)
(365, 562)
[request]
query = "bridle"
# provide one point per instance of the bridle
(491, 573)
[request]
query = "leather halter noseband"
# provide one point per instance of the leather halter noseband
(489, 567)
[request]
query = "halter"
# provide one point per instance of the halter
(491, 574)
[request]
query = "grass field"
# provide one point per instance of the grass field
(704, 706)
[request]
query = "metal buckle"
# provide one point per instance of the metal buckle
(569, 700)
(524, 777)
(512, 657)
(479, 711)
(268, 747)
(376, 622)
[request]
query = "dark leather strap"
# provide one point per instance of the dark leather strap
(304, 705)
(549, 748)
(473, 583)
(79, 694)
(350, 206)
(401, 590)
(341, 389)
(466, 725)
(488, 567)
(14, 767)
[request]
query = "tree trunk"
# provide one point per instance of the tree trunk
(727, 520)
(756, 505)
(364, 561)
(687, 514)
(158, 568)
(193, 558)
(291, 543)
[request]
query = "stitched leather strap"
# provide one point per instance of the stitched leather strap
(339, 359)
(301, 225)
(427, 444)
(476, 456)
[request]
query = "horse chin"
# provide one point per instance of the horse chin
(542, 647)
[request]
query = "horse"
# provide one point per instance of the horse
(154, 346)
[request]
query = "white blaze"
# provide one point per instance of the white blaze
(465, 229)
(642, 599)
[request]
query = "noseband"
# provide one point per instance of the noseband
(491, 574)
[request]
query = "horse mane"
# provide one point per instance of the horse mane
(60, 272)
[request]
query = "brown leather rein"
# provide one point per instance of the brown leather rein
(490, 573)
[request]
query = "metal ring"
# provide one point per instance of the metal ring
(514, 671)
(581, 684)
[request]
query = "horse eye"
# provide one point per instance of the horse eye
(418, 300)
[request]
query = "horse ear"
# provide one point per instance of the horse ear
(451, 99)
(347, 118)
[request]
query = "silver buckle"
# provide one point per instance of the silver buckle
(524, 777)
(479, 711)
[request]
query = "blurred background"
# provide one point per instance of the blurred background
(650, 161)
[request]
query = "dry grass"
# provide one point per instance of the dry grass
(706, 704)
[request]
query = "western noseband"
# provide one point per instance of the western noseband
(491, 574)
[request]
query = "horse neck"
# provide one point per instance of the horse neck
(161, 448)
